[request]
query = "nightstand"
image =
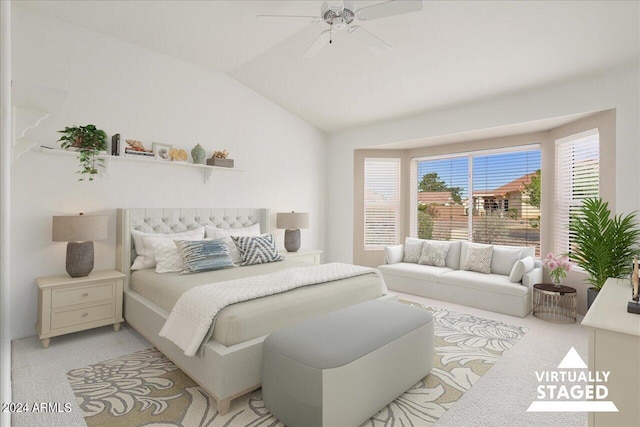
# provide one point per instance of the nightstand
(67, 304)
(312, 257)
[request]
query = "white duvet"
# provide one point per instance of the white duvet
(194, 314)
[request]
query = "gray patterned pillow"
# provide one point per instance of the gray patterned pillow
(203, 255)
(412, 251)
(257, 250)
(434, 253)
(479, 259)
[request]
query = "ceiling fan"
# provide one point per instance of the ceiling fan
(340, 16)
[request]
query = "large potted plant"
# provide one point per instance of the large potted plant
(604, 245)
(90, 142)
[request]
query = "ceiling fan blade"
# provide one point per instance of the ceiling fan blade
(388, 8)
(349, 4)
(321, 41)
(374, 42)
(289, 18)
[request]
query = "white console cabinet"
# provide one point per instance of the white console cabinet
(614, 345)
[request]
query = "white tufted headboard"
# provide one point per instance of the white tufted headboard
(174, 220)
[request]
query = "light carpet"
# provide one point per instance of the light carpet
(146, 388)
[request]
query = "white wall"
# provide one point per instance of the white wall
(619, 90)
(151, 97)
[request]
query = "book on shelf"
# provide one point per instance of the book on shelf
(115, 145)
(135, 153)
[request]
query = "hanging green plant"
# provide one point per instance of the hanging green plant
(89, 141)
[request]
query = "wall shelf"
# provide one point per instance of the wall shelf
(207, 171)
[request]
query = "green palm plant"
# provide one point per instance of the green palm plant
(603, 244)
(90, 142)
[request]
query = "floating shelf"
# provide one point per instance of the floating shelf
(207, 170)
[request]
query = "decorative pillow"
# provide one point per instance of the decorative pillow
(434, 254)
(257, 250)
(219, 233)
(479, 259)
(393, 254)
(168, 257)
(412, 250)
(203, 255)
(503, 259)
(520, 268)
(143, 242)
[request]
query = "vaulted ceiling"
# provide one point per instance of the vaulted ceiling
(448, 54)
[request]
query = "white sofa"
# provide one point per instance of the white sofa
(503, 290)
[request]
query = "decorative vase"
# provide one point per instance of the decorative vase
(557, 281)
(198, 154)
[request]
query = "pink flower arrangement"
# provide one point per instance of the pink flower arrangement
(559, 266)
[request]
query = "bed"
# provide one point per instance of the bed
(231, 363)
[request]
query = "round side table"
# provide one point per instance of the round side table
(554, 303)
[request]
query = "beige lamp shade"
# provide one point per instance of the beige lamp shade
(292, 220)
(79, 228)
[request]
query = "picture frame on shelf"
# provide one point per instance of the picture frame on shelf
(161, 151)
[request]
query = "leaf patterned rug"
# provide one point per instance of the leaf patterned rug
(145, 388)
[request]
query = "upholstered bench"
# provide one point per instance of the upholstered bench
(341, 368)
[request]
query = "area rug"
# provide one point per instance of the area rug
(145, 388)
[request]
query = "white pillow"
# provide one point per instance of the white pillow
(393, 254)
(520, 268)
(434, 253)
(219, 233)
(168, 257)
(503, 259)
(412, 250)
(479, 258)
(146, 257)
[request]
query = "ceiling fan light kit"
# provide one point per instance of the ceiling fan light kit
(341, 17)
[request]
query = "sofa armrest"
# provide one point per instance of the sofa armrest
(532, 277)
(393, 254)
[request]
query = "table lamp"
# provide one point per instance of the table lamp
(292, 222)
(79, 231)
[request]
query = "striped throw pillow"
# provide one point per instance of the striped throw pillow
(257, 250)
(203, 255)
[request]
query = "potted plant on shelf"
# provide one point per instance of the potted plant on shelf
(604, 244)
(89, 141)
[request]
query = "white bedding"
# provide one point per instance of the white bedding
(194, 314)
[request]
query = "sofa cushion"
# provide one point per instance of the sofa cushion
(434, 253)
(478, 258)
(412, 250)
(504, 258)
(393, 254)
(415, 271)
(520, 268)
(490, 282)
(453, 255)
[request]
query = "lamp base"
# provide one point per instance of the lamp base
(292, 240)
(79, 258)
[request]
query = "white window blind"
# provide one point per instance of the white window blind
(441, 193)
(506, 198)
(488, 196)
(577, 178)
(381, 202)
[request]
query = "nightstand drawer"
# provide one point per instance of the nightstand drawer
(79, 316)
(81, 295)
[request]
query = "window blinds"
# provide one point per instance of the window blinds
(381, 202)
(506, 198)
(577, 178)
(442, 195)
